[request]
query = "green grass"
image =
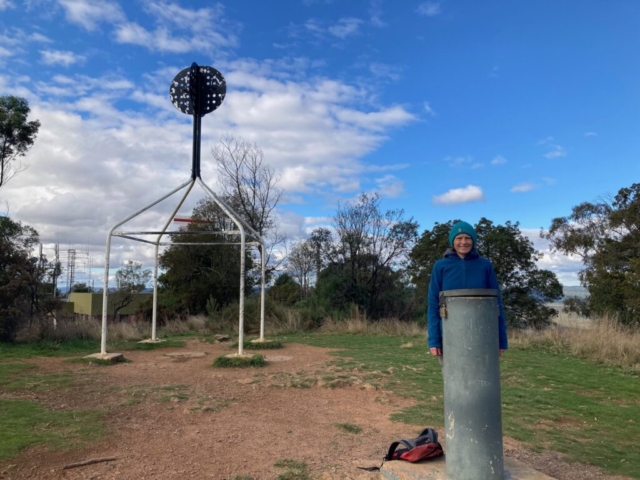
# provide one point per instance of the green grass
(97, 361)
(349, 427)
(294, 470)
(551, 400)
(25, 423)
(25, 377)
(77, 348)
(268, 345)
(124, 346)
(235, 362)
(48, 349)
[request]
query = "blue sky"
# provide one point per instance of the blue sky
(451, 109)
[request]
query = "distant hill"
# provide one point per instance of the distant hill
(575, 291)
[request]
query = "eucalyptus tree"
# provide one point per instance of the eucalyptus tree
(606, 236)
(17, 135)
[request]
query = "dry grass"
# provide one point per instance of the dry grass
(601, 340)
(391, 327)
(290, 321)
(193, 323)
(69, 328)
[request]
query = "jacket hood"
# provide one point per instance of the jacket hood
(450, 252)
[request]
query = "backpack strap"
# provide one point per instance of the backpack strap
(392, 448)
(428, 435)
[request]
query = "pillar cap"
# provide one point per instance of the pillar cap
(469, 292)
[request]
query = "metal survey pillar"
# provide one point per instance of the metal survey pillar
(472, 407)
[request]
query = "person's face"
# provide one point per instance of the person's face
(462, 244)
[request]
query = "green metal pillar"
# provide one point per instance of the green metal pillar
(472, 407)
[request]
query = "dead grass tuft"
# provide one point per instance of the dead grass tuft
(602, 340)
(391, 327)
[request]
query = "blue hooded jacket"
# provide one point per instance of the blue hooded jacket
(453, 273)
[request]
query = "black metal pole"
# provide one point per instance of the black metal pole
(194, 91)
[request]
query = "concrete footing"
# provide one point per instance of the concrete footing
(435, 470)
(108, 357)
(237, 355)
(186, 354)
(150, 340)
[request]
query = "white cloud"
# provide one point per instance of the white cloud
(565, 267)
(389, 186)
(383, 70)
(14, 41)
(556, 151)
(317, 30)
(470, 193)
(553, 149)
(162, 39)
(428, 109)
(375, 13)
(177, 30)
(89, 171)
(590, 134)
(38, 37)
(498, 160)
(460, 161)
(345, 27)
(81, 85)
(5, 4)
(429, 9)
(523, 187)
(59, 57)
(376, 120)
(89, 13)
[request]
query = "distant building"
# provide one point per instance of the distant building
(90, 304)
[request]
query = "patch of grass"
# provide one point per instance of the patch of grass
(349, 427)
(77, 348)
(25, 423)
(241, 477)
(268, 345)
(239, 362)
(294, 470)
(47, 349)
(169, 397)
(98, 361)
(302, 382)
(159, 394)
(127, 345)
(551, 399)
(23, 377)
(209, 404)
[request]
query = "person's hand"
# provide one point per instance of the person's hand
(501, 351)
(436, 352)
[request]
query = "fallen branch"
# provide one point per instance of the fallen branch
(89, 462)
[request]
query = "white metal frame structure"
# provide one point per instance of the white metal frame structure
(243, 229)
(195, 91)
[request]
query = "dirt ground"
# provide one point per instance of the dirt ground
(175, 417)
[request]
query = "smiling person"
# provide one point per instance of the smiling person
(461, 268)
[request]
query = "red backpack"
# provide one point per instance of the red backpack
(424, 446)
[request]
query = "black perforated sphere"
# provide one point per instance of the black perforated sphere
(211, 89)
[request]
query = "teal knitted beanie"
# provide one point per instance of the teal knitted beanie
(462, 227)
